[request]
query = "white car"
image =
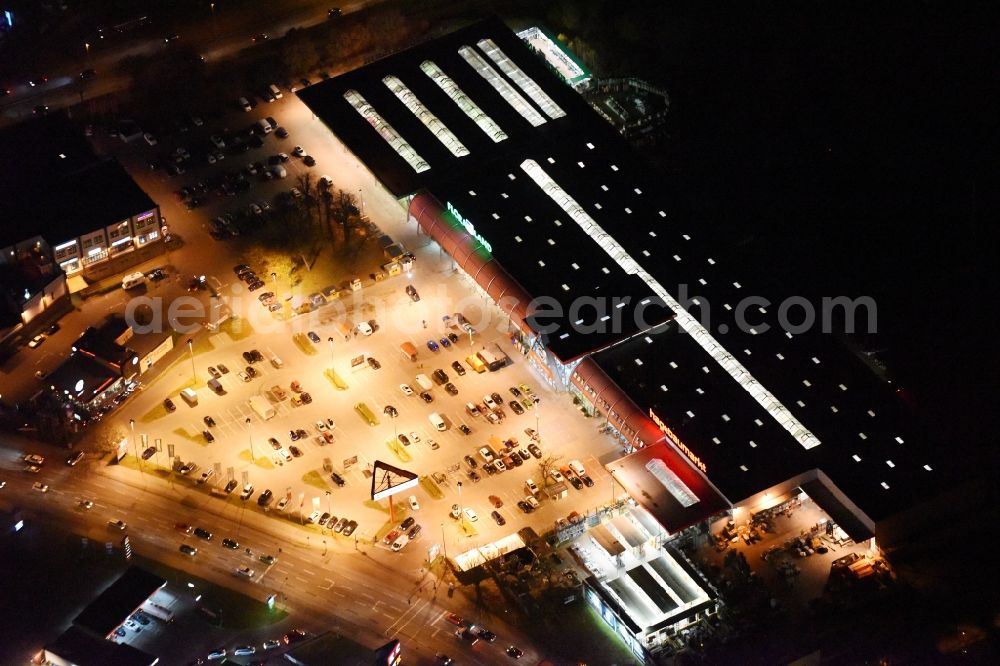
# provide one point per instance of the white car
(530, 499)
(405, 388)
(313, 517)
(486, 454)
(470, 514)
(244, 103)
(40, 487)
(364, 328)
(246, 572)
(244, 376)
(415, 438)
(499, 465)
(299, 151)
(489, 402)
(217, 141)
(531, 486)
(557, 476)
(282, 503)
(414, 505)
(286, 456)
(321, 426)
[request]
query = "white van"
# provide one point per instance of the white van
(577, 468)
(274, 91)
(264, 126)
(424, 382)
(438, 422)
(189, 396)
(133, 280)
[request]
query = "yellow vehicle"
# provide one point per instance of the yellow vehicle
(475, 363)
(366, 413)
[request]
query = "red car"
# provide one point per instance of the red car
(294, 636)
(455, 619)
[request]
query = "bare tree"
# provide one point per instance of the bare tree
(547, 464)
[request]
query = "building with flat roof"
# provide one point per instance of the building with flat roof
(76, 647)
(118, 601)
(652, 321)
(87, 207)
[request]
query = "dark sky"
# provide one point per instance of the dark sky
(842, 149)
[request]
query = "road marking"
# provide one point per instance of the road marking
(330, 586)
(306, 571)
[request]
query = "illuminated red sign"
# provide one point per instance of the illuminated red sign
(677, 441)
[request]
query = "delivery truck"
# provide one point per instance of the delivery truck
(263, 408)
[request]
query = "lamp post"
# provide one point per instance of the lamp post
(135, 445)
(461, 509)
(444, 542)
(250, 436)
(330, 340)
(194, 373)
(392, 413)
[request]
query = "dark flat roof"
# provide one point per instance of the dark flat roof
(122, 598)
(746, 451)
(55, 186)
(531, 236)
(78, 367)
(78, 647)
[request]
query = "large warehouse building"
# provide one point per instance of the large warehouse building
(551, 214)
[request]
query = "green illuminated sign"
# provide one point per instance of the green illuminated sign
(469, 227)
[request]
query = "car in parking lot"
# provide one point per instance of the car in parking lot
(516, 407)
(534, 450)
(209, 437)
(432, 345)
(405, 388)
(373, 362)
(451, 389)
(149, 453)
(295, 451)
(457, 367)
(426, 397)
(247, 492)
(117, 524)
(188, 550)
(313, 517)
(202, 533)
(350, 527)
(209, 421)
(245, 572)
(285, 455)
(471, 514)
(206, 475)
(414, 531)
(337, 479)
(244, 651)
(312, 336)
(231, 544)
(514, 652)
(169, 405)
(231, 486)
(466, 430)
(412, 293)
(265, 498)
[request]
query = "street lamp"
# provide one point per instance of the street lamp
(135, 445)
(461, 509)
(250, 436)
(329, 508)
(392, 413)
(330, 340)
(194, 373)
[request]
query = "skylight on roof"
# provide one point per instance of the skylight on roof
(424, 115)
(386, 131)
(871, 413)
(590, 145)
(527, 218)
(699, 391)
(645, 253)
(885, 485)
(806, 382)
(614, 168)
(597, 206)
(637, 191)
(604, 188)
(862, 435)
(737, 285)
(671, 482)
(690, 414)
(662, 214)
(711, 261)
(744, 468)
(758, 422)
(856, 457)
(495, 216)
(551, 242)
(628, 210)
(676, 258)
(673, 365)
(517, 238)
(928, 468)
(663, 387)
(541, 263)
(564, 336)
(605, 270)
(899, 440)
(833, 408)
(511, 176)
(725, 417)
(890, 463)
(815, 360)
(716, 440)
(505, 195)
(522, 80)
(472, 193)
(841, 387)
(552, 160)
(506, 91)
(565, 287)
(685, 320)
(653, 234)
(463, 102)
(638, 361)
(800, 403)
(575, 266)
(753, 444)
(648, 339)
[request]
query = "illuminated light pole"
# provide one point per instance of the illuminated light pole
(250, 436)
(330, 340)
(392, 413)
(135, 445)
(444, 542)
(194, 373)
(461, 509)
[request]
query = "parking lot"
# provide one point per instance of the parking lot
(306, 479)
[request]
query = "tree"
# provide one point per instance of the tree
(547, 464)
(106, 438)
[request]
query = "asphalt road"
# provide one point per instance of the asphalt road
(354, 587)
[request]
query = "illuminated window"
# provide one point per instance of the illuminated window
(523, 81)
(450, 88)
(430, 121)
(386, 131)
(506, 91)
